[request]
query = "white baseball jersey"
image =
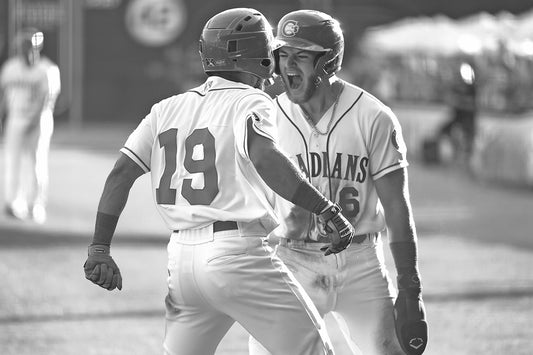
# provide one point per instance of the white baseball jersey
(194, 144)
(342, 157)
(29, 89)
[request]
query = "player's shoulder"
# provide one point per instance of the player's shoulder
(364, 96)
(255, 93)
(167, 103)
(282, 102)
(11, 69)
(11, 62)
(367, 103)
(47, 61)
(254, 97)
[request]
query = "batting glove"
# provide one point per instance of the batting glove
(340, 231)
(410, 315)
(100, 268)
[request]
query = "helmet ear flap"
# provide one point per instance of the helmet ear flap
(334, 65)
(276, 61)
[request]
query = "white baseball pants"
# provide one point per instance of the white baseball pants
(219, 278)
(354, 285)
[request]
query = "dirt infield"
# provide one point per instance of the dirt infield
(476, 257)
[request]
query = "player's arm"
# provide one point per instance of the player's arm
(409, 308)
(100, 268)
(284, 178)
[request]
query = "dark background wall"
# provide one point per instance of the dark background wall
(118, 78)
(123, 77)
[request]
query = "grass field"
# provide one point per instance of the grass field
(476, 257)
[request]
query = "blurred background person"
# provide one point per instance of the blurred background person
(29, 86)
(460, 128)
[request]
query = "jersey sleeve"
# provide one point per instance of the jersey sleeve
(139, 144)
(54, 80)
(387, 147)
(259, 109)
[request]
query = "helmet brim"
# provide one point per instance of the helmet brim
(299, 43)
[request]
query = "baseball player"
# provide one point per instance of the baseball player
(211, 152)
(350, 147)
(29, 86)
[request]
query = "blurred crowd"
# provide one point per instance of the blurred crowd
(504, 79)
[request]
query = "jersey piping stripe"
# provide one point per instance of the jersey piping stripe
(385, 168)
(261, 93)
(301, 134)
(331, 197)
(245, 143)
(217, 89)
(136, 156)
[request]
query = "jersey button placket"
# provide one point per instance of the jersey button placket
(314, 140)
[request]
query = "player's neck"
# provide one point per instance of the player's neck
(31, 58)
(326, 95)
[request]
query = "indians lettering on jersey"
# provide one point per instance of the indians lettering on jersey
(346, 166)
(363, 144)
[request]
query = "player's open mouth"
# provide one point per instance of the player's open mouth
(295, 81)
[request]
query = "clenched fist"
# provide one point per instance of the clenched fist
(340, 231)
(410, 315)
(101, 269)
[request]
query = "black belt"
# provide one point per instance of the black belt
(219, 226)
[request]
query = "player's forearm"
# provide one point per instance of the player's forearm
(394, 196)
(284, 178)
(114, 198)
(400, 223)
(111, 205)
(402, 237)
(115, 195)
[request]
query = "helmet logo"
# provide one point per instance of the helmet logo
(290, 28)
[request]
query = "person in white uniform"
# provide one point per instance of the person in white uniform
(350, 147)
(215, 166)
(29, 86)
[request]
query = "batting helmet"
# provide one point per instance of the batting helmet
(30, 37)
(238, 40)
(315, 31)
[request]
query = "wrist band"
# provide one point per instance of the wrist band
(98, 249)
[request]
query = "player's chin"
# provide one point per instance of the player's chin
(297, 96)
(296, 93)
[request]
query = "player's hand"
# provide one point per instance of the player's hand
(410, 315)
(100, 268)
(340, 231)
